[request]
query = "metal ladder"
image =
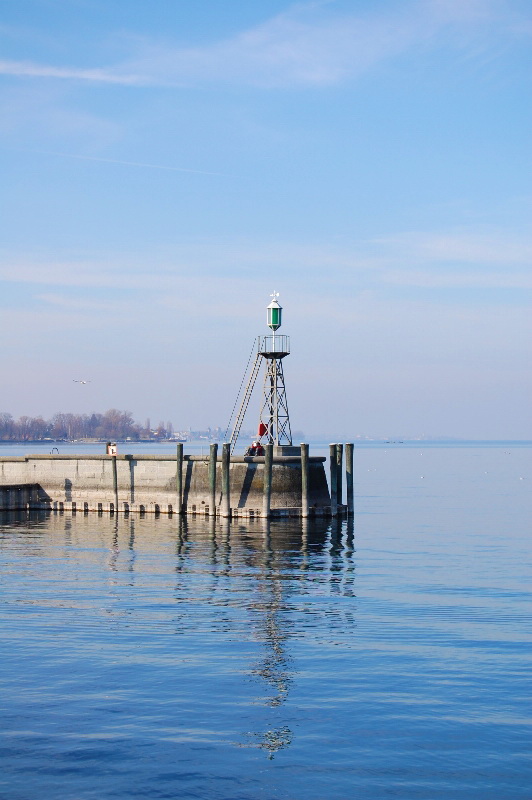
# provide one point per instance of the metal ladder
(245, 400)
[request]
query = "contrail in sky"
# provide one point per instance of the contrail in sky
(128, 163)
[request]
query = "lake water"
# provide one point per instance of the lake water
(385, 657)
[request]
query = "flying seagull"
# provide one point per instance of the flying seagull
(75, 381)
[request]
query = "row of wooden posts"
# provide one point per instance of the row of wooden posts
(336, 478)
(336, 454)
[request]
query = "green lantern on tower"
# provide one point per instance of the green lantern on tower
(274, 313)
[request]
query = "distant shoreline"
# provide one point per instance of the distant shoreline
(357, 442)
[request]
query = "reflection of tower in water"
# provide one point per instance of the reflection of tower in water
(280, 559)
(226, 575)
(272, 629)
(270, 624)
(280, 572)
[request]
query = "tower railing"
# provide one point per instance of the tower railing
(274, 346)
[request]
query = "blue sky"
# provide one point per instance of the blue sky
(167, 165)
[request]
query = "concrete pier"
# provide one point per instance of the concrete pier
(164, 484)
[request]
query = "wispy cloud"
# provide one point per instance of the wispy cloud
(26, 69)
(75, 304)
(307, 45)
(95, 274)
(438, 259)
(311, 45)
(440, 279)
(131, 163)
(461, 247)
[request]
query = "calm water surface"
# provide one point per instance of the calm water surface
(384, 657)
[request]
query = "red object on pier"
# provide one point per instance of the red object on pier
(262, 429)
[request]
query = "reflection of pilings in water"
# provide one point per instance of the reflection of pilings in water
(68, 531)
(303, 564)
(121, 527)
(181, 541)
(7, 517)
(226, 528)
(212, 539)
(114, 551)
(31, 516)
(266, 537)
(341, 561)
(220, 538)
(348, 558)
(336, 535)
(226, 543)
(350, 535)
(214, 576)
(131, 545)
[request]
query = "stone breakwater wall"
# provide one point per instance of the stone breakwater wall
(147, 483)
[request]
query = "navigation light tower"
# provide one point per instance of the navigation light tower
(274, 420)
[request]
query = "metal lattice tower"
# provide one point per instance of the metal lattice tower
(274, 420)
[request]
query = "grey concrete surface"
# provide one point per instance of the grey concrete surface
(147, 483)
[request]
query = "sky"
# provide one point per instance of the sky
(167, 165)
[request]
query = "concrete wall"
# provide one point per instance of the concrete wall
(148, 483)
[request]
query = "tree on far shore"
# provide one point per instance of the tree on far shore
(113, 424)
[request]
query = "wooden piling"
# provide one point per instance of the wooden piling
(212, 479)
(334, 479)
(304, 480)
(339, 470)
(226, 486)
(115, 482)
(349, 477)
(179, 477)
(268, 468)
